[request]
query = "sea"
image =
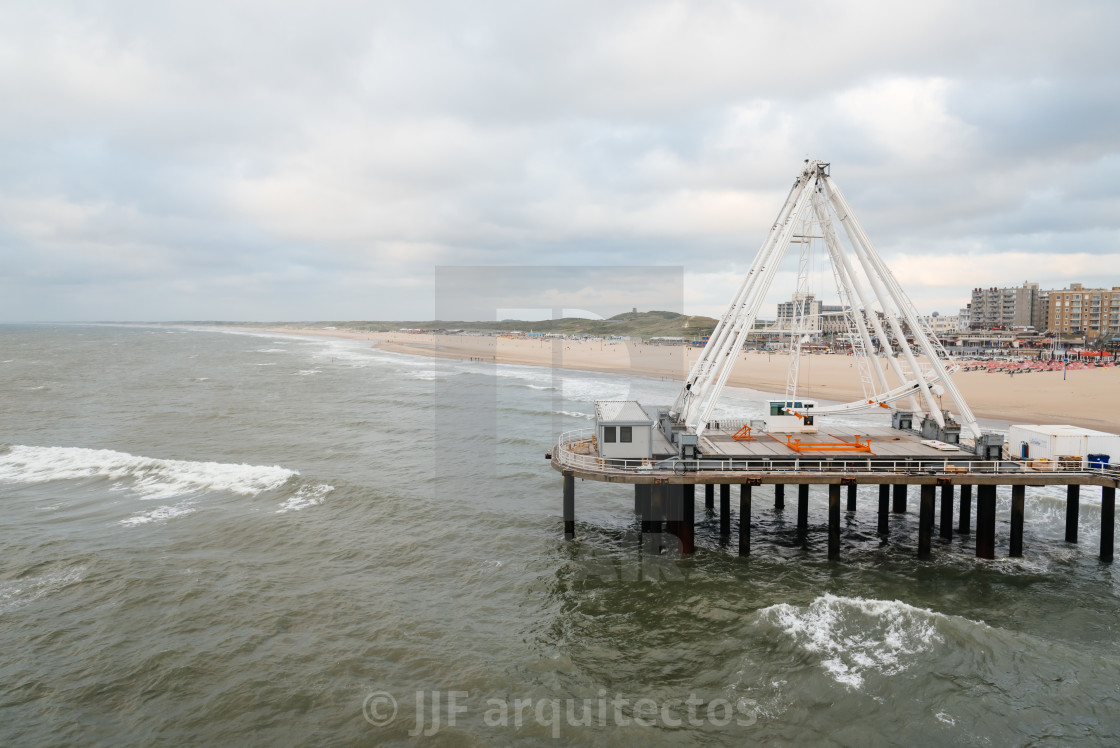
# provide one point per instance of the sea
(226, 537)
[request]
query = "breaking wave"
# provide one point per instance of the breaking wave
(151, 478)
(854, 636)
(305, 497)
(158, 514)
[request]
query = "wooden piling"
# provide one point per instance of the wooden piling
(899, 498)
(884, 508)
(985, 521)
(852, 486)
(709, 497)
(688, 519)
(651, 527)
(569, 505)
(1073, 509)
(1108, 521)
(925, 518)
(1018, 502)
(673, 510)
(833, 521)
(745, 519)
(779, 497)
(641, 497)
(802, 508)
(966, 510)
(946, 508)
(725, 510)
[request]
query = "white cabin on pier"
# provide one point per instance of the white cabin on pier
(623, 430)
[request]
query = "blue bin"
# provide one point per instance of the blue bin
(1098, 461)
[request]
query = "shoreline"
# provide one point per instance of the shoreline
(1087, 398)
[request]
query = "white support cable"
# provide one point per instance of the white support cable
(845, 280)
(864, 250)
(907, 309)
(797, 328)
(752, 312)
(715, 352)
(728, 351)
(872, 315)
(699, 381)
(880, 277)
(709, 374)
(708, 355)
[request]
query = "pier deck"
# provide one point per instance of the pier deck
(882, 440)
(664, 489)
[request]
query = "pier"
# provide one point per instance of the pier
(904, 371)
(665, 497)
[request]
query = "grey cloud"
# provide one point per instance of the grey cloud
(164, 153)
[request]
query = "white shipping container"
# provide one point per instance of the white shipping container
(1049, 442)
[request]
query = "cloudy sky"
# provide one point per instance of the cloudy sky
(273, 160)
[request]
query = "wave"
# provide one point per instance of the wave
(575, 414)
(305, 497)
(854, 636)
(158, 514)
(18, 592)
(151, 478)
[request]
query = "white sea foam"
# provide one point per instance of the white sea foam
(271, 350)
(305, 497)
(149, 477)
(158, 514)
(18, 592)
(575, 414)
(854, 636)
(308, 372)
(427, 375)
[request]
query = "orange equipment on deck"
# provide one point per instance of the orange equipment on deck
(744, 435)
(801, 447)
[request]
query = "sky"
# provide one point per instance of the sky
(253, 160)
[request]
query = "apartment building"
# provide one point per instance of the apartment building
(819, 318)
(1006, 307)
(1084, 311)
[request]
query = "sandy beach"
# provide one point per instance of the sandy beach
(1087, 397)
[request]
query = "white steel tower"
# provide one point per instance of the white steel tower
(899, 357)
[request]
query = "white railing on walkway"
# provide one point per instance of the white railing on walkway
(569, 441)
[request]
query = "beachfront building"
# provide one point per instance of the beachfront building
(804, 303)
(819, 318)
(964, 318)
(941, 325)
(1084, 311)
(834, 320)
(1006, 307)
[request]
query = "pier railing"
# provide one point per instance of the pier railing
(574, 450)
